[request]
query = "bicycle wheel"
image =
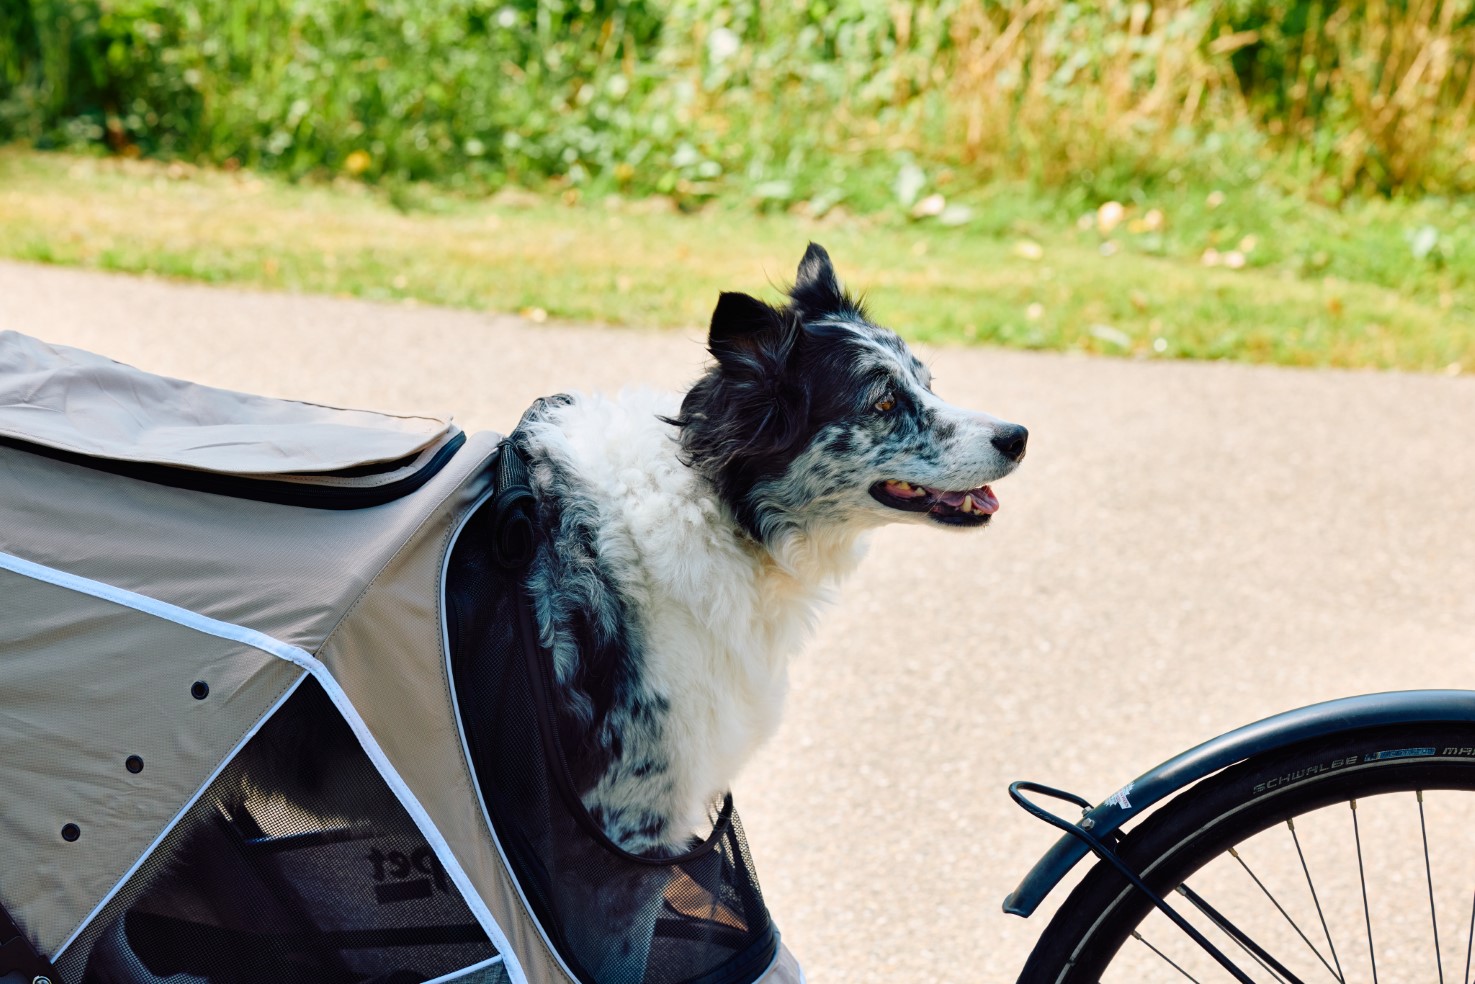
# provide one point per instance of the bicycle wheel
(1346, 859)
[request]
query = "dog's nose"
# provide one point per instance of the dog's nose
(1010, 441)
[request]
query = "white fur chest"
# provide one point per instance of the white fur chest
(719, 615)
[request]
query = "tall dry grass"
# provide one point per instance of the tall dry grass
(1392, 85)
(1062, 88)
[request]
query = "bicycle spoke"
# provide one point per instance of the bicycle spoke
(1429, 874)
(1163, 956)
(1263, 958)
(1336, 974)
(1316, 900)
(1362, 877)
(1469, 941)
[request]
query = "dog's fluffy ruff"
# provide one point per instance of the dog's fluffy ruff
(711, 614)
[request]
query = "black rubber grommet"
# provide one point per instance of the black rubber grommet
(71, 832)
(199, 690)
(133, 764)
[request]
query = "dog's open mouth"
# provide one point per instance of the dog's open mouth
(973, 507)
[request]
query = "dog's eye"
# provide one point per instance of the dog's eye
(887, 403)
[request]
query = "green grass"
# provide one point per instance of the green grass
(1378, 284)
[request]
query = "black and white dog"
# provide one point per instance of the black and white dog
(687, 542)
(685, 545)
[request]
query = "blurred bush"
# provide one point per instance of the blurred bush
(405, 87)
(816, 101)
(1377, 94)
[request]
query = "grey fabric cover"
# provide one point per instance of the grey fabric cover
(84, 683)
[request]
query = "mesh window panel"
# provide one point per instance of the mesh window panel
(614, 919)
(296, 866)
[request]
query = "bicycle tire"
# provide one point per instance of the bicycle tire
(1198, 828)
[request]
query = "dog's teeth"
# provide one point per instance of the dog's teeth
(902, 486)
(967, 505)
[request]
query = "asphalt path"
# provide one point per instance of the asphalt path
(1189, 547)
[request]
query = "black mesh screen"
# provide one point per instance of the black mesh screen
(614, 918)
(296, 866)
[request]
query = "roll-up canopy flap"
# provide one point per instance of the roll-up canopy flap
(67, 403)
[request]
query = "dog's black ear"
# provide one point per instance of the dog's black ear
(737, 319)
(747, 412)
(747, 333)
(817, 290)
(816, 270)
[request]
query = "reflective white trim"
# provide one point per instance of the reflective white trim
(445, 646)
(183, 810)
(162, 609)
(457, 975)
(422, 819)
(275, 647)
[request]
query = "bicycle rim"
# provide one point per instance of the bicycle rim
(1346, 859)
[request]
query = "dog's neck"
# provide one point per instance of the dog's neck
(807, 558)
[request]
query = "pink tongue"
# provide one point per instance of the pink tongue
(984, 500)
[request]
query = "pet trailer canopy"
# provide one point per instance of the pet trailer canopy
(232, 631)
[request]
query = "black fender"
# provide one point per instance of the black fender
(1330, 718)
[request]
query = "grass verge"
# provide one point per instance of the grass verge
(1246, 276)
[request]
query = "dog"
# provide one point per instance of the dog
(684, 546)
(687, 543)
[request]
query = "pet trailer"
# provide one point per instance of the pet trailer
(268, 711)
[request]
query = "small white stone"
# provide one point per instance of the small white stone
(1109, 216)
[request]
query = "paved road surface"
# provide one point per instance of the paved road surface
(1189, 547)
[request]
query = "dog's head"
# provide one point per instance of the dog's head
(814, 417)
